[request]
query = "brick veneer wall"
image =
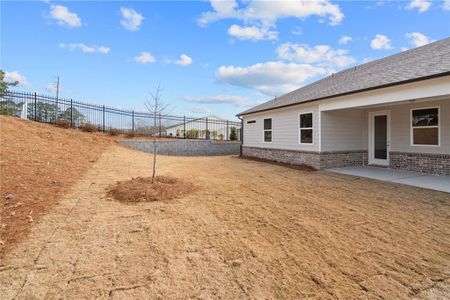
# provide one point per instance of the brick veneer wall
(286, 156)
(338, 159)
(438, 164)
(318, 160)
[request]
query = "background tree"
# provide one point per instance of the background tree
(72, 114)
(42, 112)
(4, 85)
(233, 134)
(10, 108)
(156, 107)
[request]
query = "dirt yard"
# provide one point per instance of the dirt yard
(251, 230)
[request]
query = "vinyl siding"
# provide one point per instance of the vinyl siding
(285, 129)
(401, 127)
(344, 130)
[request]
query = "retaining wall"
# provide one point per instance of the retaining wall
(185, 147)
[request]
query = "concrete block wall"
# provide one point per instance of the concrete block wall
(185, 147)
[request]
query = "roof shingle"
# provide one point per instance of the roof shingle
(422, 62)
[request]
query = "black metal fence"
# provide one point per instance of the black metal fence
(48, 109)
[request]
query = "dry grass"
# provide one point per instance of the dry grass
(38, 165)
(251, 230)
(88, 127)
(141, 189)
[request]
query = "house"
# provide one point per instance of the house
(215, 127)
(392, 112)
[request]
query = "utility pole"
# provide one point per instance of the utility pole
(57, 88)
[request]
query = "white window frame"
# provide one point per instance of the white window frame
(249, 122)
(264, 130)
(411, 131)
(305, 128)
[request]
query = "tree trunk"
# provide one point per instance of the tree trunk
(154, 152)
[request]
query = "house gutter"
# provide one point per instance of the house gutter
(351, 92)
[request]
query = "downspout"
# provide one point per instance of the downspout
(242, 135)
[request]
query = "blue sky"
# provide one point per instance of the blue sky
(211, 57)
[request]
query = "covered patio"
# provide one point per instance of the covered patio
(432, 182)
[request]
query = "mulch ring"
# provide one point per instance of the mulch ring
(141, 189)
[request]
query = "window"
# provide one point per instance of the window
(306, 128)
(251, 122)
(267, 130)
(425, 127)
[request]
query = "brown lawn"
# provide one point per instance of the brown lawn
(249, 230)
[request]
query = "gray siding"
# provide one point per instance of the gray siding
(285, 129)
(401, 127)
(347, 129)
(344, 130)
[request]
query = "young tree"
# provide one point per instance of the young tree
(155, 107)
(4, 85)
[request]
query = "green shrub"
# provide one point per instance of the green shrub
(233, 134)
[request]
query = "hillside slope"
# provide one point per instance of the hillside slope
(38, 164)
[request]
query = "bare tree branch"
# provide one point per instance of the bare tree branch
(156, 107)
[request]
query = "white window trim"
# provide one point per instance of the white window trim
(251, 122)
(300, 129)
(264, 130)
(411, 127)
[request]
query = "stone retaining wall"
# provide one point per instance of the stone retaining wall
(438, 164)
(185, 147)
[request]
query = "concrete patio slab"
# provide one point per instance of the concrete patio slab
(438, 183)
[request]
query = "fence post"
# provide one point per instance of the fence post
(132, 122)
(103, 129)
(35, 106)
(228, 136)
(159, 124)
(71, 113)
(184, 127)
(206, 132)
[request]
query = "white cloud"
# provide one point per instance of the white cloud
(446, 5)
(381, 42)
(201, 110)
(16, 76)
(417, 39)
(50, 87)
(269, 12)
(254, 33)
(345, 39)
(322, 55)
(421, 5)
(131, 19)
(184, 60)
(144, 58)
(64, 17)
(221, 99)
(85, 48)
(270, 78)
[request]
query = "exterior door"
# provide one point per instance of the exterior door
(379, 141)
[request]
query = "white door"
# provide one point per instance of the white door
(379, 137)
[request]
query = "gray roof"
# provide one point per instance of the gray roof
(419, 63)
